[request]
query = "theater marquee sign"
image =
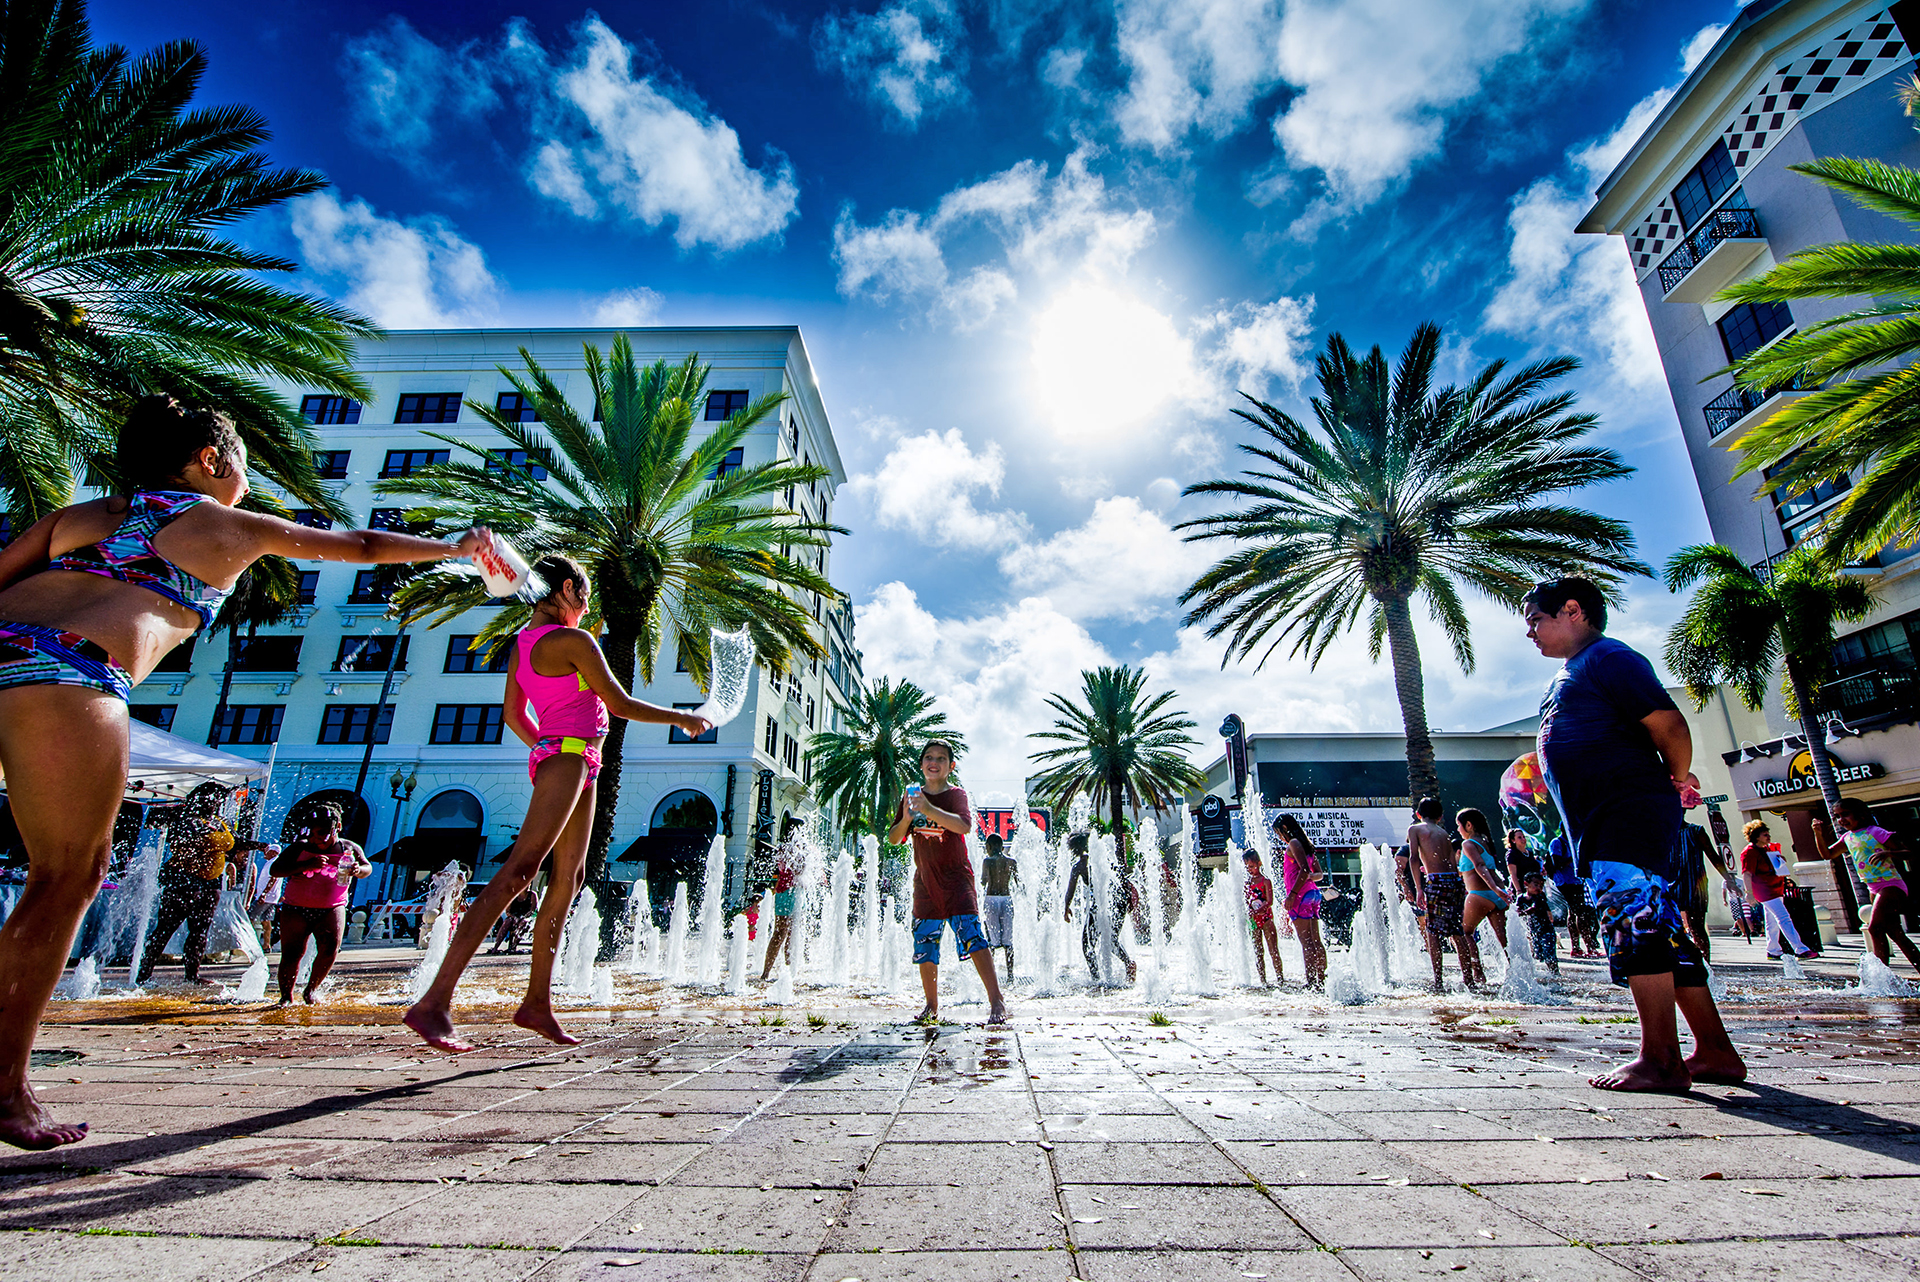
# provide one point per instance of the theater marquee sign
(1800, 776)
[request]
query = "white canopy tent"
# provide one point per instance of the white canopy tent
(165, 767)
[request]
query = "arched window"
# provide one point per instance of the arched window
(454, 808)
(686, 811)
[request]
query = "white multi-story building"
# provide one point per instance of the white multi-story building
(442, 777)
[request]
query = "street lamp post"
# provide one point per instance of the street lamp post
(402, 790)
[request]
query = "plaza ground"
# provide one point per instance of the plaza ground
(1251, 1135)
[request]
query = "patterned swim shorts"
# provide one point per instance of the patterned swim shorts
(1641, 923)
(1446, 904)
(554, 745)
(968, 938)
(31, 655)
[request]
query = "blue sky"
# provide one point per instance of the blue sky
(1035, 249)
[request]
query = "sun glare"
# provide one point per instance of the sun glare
(1104, 360)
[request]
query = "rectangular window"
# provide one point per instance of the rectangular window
(791, 753)
(1751, 326)
(331, 464)
(771, 741)
(462, 657)
(268, 654)
(728, 465)
(515, 408)
(157, 715)
(724, 405)
(384, 518)
(407, 462)
(533, 464)
(676, 735)
(178, 659)
(369, 653)
(248, 723)
(329, 409)
(809, 712)
(348, 722)
(467, 723)
(309, 585)
(1704, 185)
(370, 588)
(311, 519)
(428, 407)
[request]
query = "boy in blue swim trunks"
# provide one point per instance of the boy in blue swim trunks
(939, 817)
(1616, 753)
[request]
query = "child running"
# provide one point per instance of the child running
(94, 596)
(939, 817)
(1872, 850)
(1537, 912)
(559, 669)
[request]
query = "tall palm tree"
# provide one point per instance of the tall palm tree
(1741, 626)
(1118, 747)
(1865, 422)
(264, 594)
(677, 542)
(1397, 491)
(864, 770)
(113, 280)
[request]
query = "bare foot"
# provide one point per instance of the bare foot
(541, 1020)
(928, 1015)
(25, 1124)
(286, 999)
(435, 1028)
(1643, 1074)
(998, 1015)
(1721, 1069)
(306, 995)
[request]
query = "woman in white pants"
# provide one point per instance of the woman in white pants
(1768, 889)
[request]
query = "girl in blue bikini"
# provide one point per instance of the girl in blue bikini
(1486, 894)
(92, 597)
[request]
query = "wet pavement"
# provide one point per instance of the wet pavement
(1248, 1136)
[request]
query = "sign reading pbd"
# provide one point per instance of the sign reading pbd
(998, 822)
(1800, 776)
(1212, 825)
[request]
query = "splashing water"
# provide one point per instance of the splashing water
(1522, 982)
(253, 984)
(713, 884)
(84, 983)
(1878, 980)
(447, 885)
(729, 676)
(675, 964)
(579, 941)
(737, 957)
(1790, 967)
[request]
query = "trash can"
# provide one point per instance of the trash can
(1800, 909)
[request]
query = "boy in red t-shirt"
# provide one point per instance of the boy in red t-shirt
(939, 818)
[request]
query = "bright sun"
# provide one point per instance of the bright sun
(1103, 359)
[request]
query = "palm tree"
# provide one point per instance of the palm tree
(1118, 747)
(864, 770)
(1742, 625)
(677, 542)
(113, 280)
(1398, 492)
(264, 594)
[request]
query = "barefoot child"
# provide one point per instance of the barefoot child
(940, 818)
(93, 597)
(560, 670)
(1260, 916)
(320, 867)
(1616, 754)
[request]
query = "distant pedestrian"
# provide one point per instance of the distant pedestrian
(1615, 752)
(1266, 939)
(1583, 924)
(1091, 924)
(1487, 894)
(1520, 859)
(1736, 902)
(1769, 889)
(261, 894)
(1300, 889)
(1537, 911)
(1440, 895)
(938, 817)
(1694, 887)
(786, 875)
(320, 867)
(513, 922)
(1874, 852)
(998, 872)
(199, 842)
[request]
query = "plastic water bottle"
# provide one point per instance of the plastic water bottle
(503, 570)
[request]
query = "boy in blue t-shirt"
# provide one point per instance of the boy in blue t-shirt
(1615, 753)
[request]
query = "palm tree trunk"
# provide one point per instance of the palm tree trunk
(621, 639)
(1410, 684)
(1815, 734)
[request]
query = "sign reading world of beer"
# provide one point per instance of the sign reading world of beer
(1800, 777)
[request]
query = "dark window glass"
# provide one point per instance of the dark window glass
(268, 654)
(308, 517)
(330, 409)
(461, 657)
(369, 588)
(348, 722)
(369, 654)
(248, 723)
(730, 464)
(178, 659)
(1709, 180)
(157, 715)
(309, 585)
(1751, 326)
(384, 518)
(516, 408)
(676, 735)
(331, 464)
(791, 753)
(771, 743)
(467, 723)
(407, 462)
(534, 464)
(428, 407)
(724, 405)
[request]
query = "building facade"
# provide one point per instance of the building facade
(444, 780)
(1705, 198)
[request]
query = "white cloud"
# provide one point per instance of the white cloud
(400, 84)
(1701, 45)
(1124, 562)
(910, 57)
(636, 306)
(1193, 65)
(926, 486)
(1257, 343)
(412, 274)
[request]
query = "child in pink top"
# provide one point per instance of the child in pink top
(320, 867)
(559, 670)
(1874, 852)
(1300, 876)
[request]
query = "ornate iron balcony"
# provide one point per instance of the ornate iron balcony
(1729, 222)
(1732, 405)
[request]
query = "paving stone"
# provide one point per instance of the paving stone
(1121, 1102)
(407, 1264)
(248, 1158)
(1190, 1218)
(1697, 1210)
(615, 1266)
(1488, 1263)
(1785, 1157)
(1078, 1128)
(493, 1214)
(1209, 1266)
(785, 1166)
(943, 1219)
(1009, 1169)
(946, 1266)
(930, 1127)
(73, 1257)
(1517, 1161)
(1145, 1163)
(1368, 1163)
(302, 1209)
(1417, 1216)
(677, 1218)
(1758, 1262)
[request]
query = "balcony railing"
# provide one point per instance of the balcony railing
(1728, 223)
(1732, 405)
(1866, 695)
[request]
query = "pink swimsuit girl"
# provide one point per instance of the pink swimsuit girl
(570, 716)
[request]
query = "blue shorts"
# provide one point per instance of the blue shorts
(1641, 923)
(968, 938)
